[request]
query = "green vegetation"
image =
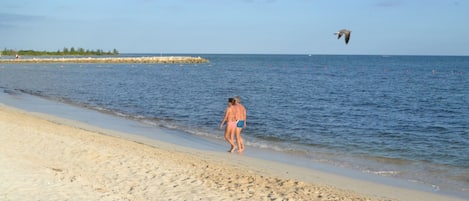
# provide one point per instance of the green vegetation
(65, 51)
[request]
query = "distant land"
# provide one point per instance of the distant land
(61, 52)
(143, 60)
(84, 57)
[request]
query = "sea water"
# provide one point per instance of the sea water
(396, 116)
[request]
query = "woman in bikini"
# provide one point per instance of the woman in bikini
(230, 119)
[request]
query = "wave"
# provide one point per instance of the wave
(384, 172)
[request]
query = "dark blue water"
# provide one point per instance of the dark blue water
(398, 116)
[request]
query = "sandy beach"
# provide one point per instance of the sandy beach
(44, 157)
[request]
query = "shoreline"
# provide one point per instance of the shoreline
(150, 60)
(249, 177)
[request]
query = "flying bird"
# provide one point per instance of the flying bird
(344, 32)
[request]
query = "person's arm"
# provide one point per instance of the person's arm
(245, 118)
(224, 118)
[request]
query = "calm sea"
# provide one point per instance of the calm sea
(395, 116)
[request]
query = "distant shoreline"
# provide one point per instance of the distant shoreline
(160, 60)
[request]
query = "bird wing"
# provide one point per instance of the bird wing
(339, 34)
(347, 37)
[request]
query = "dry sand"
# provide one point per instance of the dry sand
(48, 158)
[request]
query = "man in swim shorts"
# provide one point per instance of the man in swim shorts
(240, 114)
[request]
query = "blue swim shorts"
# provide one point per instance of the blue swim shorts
(240, 124)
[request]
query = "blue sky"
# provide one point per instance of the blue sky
(384, 27)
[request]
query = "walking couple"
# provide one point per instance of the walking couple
(235, 118)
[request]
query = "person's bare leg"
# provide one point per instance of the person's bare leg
(239, 140)
(232, 137)
(229, 138)
(242, 142)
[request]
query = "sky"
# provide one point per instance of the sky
(379, 27)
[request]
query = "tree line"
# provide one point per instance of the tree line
(64, 51)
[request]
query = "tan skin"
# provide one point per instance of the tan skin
(229, 119)
(240, 114)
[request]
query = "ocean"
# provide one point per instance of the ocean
(404, 117)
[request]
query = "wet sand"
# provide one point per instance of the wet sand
(45, 157)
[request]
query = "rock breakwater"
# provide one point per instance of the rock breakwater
(160, 60)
